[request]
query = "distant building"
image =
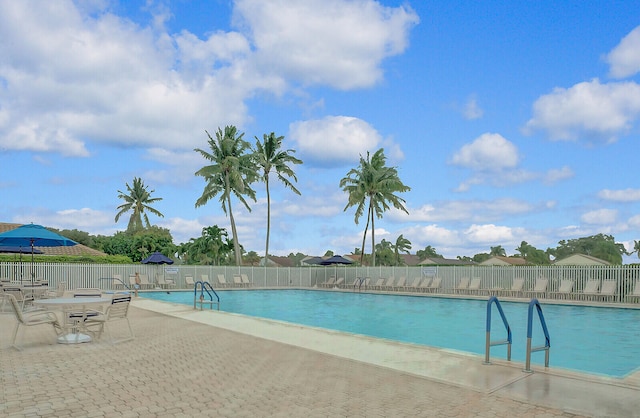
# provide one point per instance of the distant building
(581, 260)
(437, 261)
(504, 261)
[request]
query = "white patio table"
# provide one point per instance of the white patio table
(72, 333)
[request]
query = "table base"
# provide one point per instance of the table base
(74, 339)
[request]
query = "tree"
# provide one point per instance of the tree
(428, 251)
(600, 246)
(231, 172)
(403, 245)
(373, 186)
(498, 251)
(636, 248)
(138, 200)
(268, 156)
(385, 254)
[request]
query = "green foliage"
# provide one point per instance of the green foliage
(67, 259)
(270, 158)
(139, 245)
(231, 172)
(373, 187)
(428, 251)
(600, 246)
(138, 201)
(479, 258)
(213, 247)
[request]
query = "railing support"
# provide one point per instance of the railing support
(547, 342)
(490, 343)
(204, 287)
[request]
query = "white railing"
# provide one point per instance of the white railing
(491, 277)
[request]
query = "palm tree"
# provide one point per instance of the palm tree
(373, 185)
(636, 247)
(138, 200)
(232, 171)
(268, 156)
(403, 245)
(498, 251)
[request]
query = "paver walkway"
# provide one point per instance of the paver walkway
(179, 368)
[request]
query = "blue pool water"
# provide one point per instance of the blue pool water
(593, 340)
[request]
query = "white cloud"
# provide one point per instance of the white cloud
(624, 59)
(489, 234)
(554, 175)
(334, 141)
(334, 42)
(600, 217)
(488, 152)
(590, 109)
(625, 195)
(472, 109)
(634, 221)
(468, 211)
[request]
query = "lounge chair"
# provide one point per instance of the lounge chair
(59, 291)
(117, 311)
(474, 285)
(116, 282)
(144, 282)
(28, 319)
(463, 285)
(245, 280)
(330, 282)
(389, 285)
(164, 283)
(237, 280)
(565, 289)
(204, 278)
(539, 289)
(414, 284)
(515, 290)
(400, 285)
(608, 289)
(189, 282)
(434, 285)
(222, 281)
(338, 283)
(378, 284)
(635, 295)
(424, 286)
(591, 289)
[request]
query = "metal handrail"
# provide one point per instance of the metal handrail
(118, 279)
(547, 341)
(357, 283)
(204, 287)
(489, 343)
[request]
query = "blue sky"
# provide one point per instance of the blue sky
(510, 121)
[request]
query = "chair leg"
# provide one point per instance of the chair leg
(15, 337)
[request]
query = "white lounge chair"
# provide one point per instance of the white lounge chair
(378, 284)
(164, 283)
(591, 289)
(608, 289)
(237, 280)
(118, 310)
(222, 281)
(474, 285)
(28, 319)
(400, 284)
(189, 282)
(539, 289)
(434, 285)
(389, 285)
(424, 286)
(635, 295)
(414, 284)
(245, 280)
(463, 285)
(565, 289)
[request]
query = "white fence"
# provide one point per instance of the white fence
(491, 277)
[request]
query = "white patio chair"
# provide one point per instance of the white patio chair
(118, 310)
(28, 319)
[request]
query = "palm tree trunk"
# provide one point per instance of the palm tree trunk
(373, 236)
(266, 250)
(236, 244)
(364, 239)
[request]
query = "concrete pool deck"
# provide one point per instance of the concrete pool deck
(202, 363)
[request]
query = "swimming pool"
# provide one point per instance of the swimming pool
(594, 340)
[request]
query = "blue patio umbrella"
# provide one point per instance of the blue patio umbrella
(31, 235)
(157, 258)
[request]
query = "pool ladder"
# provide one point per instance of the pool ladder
(202, 300)
(547, 345)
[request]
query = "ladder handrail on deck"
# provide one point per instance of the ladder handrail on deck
(506, 341)
(204, 287)
(547, 342)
